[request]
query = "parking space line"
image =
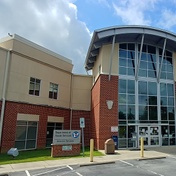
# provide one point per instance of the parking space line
(49, 171)
(70, 167)
(78, 174)
(154, 173)
(27, 173)
(126, 162)
(141, 168)
(74, 170)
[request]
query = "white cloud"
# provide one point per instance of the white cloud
(133, 11)
(168, 19)
(50, 23)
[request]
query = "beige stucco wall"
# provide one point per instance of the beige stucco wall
(103, 60)
(22, 68)
(7, 44)
(106, 59)
(81, 92)
(3, 56)
(41, 54)
(30, 60)
(97, 64)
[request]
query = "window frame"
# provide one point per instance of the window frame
(35, 83)
(52, 88)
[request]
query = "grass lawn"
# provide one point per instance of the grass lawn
(38, 155)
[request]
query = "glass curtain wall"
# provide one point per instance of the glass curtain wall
(146, 97)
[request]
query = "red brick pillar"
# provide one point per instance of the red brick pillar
(102, 118)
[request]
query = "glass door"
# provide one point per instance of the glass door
(154, 135)
(143, 132)
(151, 135)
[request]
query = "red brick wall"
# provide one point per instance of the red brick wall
(57, 150)
(101, 116)
(10, 117)
(76, 115)
(95, 112)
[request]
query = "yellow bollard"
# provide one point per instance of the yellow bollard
(91, 149)
(142, 147)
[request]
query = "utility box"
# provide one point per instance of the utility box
(109, 146)
(13, 152)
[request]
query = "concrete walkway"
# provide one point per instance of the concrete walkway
(119, 155)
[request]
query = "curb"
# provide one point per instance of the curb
(152, 158)
(98, 163)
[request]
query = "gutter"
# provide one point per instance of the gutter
(71, 110)
(4, 93)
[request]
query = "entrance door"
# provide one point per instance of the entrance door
(143, 132)
(151, 135)
(154, 135)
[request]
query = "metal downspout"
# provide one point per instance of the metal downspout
(71, 114)
(4, 93)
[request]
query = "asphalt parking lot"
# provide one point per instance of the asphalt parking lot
(154, 167)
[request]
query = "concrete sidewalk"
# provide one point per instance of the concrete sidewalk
(119, 155)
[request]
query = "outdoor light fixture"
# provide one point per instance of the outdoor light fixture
(109, 103)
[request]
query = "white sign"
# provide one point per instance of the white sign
(82, 123)
(66, 147)
(66, 136)
(114, 128)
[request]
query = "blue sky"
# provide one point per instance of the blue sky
(66, 26)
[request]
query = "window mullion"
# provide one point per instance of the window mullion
(160, 67)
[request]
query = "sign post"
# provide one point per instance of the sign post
(82, 126)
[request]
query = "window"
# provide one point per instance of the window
(34, 88)
(26, 134)
(147, 98)
(53, 91)
(167, 101)
(51, 126)
(127, 59)
(126, 100)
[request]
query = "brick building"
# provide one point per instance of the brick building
(133, 69)
(130, 94)
(39, 93)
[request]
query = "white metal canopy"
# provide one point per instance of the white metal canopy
(125, 34)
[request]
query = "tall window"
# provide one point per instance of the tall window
(34, 88)
(167, 66)
(167, 102)
(148, 67)
(147, 92)
(126, 101)
(127, 59)
(53, 91)
(26, 134)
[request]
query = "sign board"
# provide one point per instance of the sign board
(66, 147)
(82, 123)
(66, 136)
(114, 128)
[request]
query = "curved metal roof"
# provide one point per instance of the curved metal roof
(125, 34)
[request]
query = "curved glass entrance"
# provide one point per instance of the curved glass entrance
(146, 96)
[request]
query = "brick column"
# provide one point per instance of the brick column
(102, 118)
